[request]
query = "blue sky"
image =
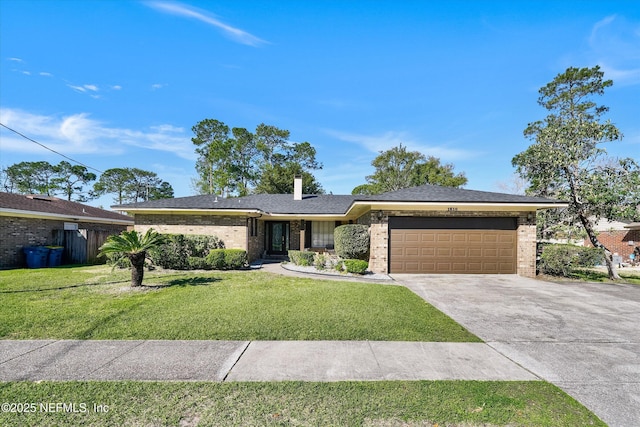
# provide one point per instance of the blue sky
(121, 83)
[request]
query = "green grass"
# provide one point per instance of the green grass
(602, 277)
(96, 303)
(397, 403)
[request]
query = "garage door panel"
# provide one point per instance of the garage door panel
(428, 252)
(453, 251)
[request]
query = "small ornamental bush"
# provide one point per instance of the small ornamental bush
(320, 262)
(563, 260)
(352, 241)
(355, 266)
(235, 259)
(301, 258)
(215, 259)
(227, 259)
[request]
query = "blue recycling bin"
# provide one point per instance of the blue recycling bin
(36, 256)
(55, 256)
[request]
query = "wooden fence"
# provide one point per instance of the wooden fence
(80, 246)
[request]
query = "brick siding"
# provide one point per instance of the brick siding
(18, 232)
(617, 241)
(231, 229)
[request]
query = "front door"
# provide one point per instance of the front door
(277, 238)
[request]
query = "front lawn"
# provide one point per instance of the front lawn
(96, 303)
(397, 403)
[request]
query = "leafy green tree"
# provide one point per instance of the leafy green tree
(70, 179)
(117, 181)
(214, 148)
(279, 179)
(566, 160)
(399, 168)
(43, 178)
(32, 177)
(239, 162)
(133, 246)
(132, 185)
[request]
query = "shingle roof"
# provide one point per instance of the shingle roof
(333, 204)
(54, 206)
(270, 203)
(436, 193)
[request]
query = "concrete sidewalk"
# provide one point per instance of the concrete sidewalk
(36, 360)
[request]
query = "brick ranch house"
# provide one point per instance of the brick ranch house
(621, 238)
(426, 229)
(35, 220)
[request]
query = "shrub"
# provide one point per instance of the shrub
(227, 259)
(235, 259)
(355, 266)
(301, 257)
(562, 260)
(352, 241)
(175, 252)
(215, 259)
(320, 262)
(117, 260)
(198, 263)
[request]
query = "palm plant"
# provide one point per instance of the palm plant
(133, 246)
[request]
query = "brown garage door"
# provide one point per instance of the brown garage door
(453, 245)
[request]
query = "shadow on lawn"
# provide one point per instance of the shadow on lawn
(181, 282)
(186, 281)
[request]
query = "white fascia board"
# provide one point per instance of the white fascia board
(63, 217)
(173, 211)
(459, 206)
(307, 217)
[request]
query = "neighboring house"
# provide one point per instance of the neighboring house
(620, 237)
(43, 220)
(426, 229)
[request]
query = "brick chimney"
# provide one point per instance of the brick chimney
(297, 187)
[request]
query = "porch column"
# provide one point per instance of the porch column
(303, 232)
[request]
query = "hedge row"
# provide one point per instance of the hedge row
(302, 257)
(220, 259)
(306, 258)
(178, 249)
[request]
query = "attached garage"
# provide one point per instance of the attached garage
(452, 245)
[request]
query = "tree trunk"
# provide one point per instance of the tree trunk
(137, 268)
(608, 258)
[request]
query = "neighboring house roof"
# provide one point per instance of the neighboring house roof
(633, 226)
(336, 205)
(47, 207)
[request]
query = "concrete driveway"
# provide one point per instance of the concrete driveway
(582, 337)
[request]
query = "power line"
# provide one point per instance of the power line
(47, 148)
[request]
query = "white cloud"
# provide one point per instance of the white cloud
(78, 133)
(390, 139)
(233, 33)
(116, 87)
(45, 74)
(614, 44)
(83, 88)
(157, 86)
(15, 60)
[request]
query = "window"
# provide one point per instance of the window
(253, 227)
(322, 234)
